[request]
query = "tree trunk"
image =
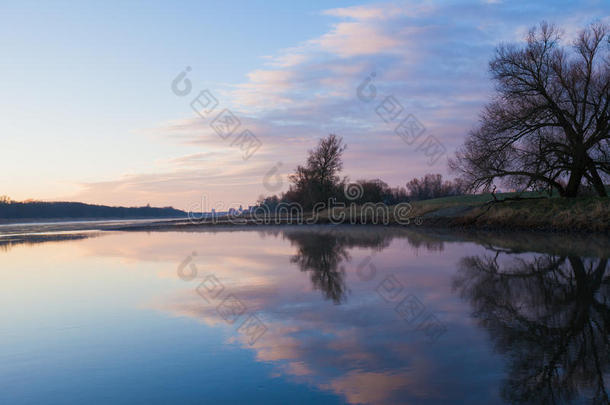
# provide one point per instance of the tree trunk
(598, 184)
(574, 183)
(579, 166)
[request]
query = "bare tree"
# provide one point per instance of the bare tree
(548, 124)
(324, 162)
(319, 179)
(433, 186)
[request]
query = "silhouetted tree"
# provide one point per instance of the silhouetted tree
(378, 191)
(319, 179)
(271, 202)
(549, 123)
(432, 186)
(373, 190)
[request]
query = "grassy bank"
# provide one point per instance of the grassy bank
(482, 211)
(557, 214)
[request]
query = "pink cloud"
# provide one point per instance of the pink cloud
(349, 39)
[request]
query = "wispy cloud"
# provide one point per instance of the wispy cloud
(432, 57)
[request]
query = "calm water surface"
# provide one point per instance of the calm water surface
(296, 315)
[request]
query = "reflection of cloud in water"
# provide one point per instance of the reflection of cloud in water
(367, 358)
(359, 349)
(347, 340)
(364, 387)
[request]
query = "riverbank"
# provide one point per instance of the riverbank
(587, 214)
(478, 212)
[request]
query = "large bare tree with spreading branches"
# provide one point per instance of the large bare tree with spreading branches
(548, 124)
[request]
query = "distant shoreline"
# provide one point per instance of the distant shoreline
(65, 220)
(39, 211)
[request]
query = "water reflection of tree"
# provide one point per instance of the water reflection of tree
(322, 256)
(322, 253)
(550, 316)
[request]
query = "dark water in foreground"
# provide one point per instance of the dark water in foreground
(295, 315)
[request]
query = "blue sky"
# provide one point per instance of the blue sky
(88, 113)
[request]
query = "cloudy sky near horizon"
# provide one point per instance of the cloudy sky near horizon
(88, 111)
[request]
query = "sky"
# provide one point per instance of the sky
(94, 109)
